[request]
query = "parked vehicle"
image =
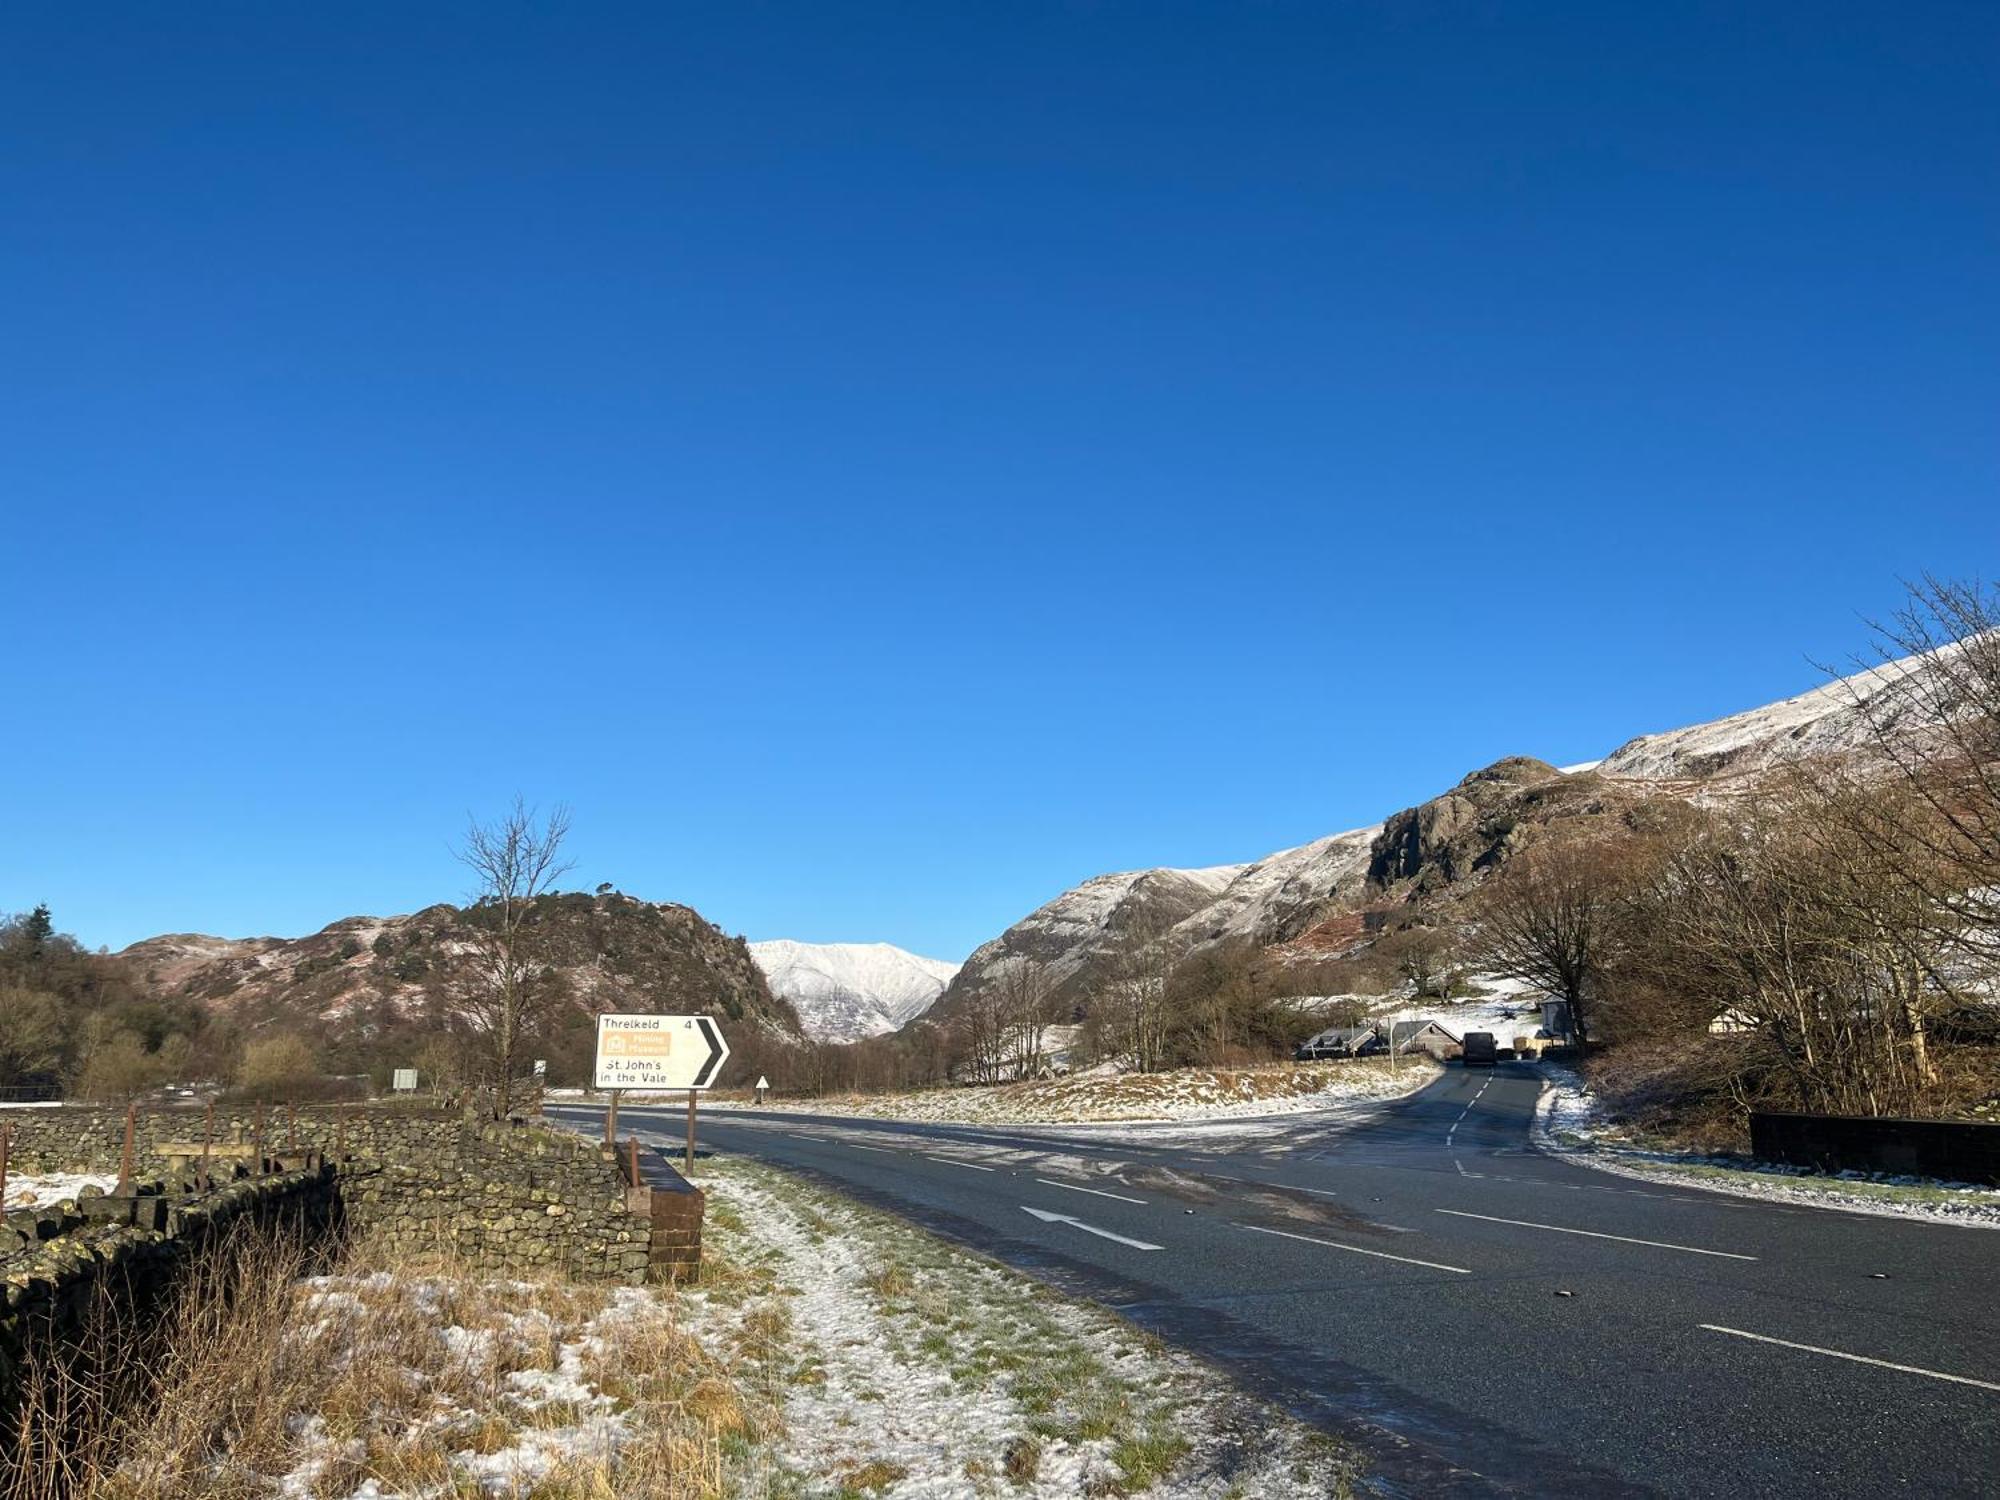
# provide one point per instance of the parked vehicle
(1481, 1051)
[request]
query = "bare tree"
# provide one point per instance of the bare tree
(1027, 1009)
(1132, 1009)
(1546, 919)
(1811, 943)
(516, 860)
(1931, 701)
(1428, 957)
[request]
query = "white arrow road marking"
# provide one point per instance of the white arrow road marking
(1354, 1249)
(878, 1150)
(1859, 1359)
(1623, 1239)
(1104, 1234)
(952, 1161)
(1094, 1192)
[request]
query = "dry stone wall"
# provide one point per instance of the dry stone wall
(502, 1197)
(116, 1256)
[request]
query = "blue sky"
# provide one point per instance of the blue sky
(883, 464)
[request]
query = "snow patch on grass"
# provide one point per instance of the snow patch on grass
(1570, 1122)
(1185, 1094)
(905, 1367)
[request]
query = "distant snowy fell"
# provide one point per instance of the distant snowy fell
(844, 992)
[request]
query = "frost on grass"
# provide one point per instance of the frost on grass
(409, 1382)
(1569, 1121)
(1184, 1094)
(898, 1365)
(828, 1351)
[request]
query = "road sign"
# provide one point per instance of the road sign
(658, 1052)
(405, 1081)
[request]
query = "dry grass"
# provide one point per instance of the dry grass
(420, 1377)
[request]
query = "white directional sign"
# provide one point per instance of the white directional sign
(658, 1052)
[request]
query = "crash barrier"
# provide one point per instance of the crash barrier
(1955, 1150)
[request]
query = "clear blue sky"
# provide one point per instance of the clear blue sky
(883, 464)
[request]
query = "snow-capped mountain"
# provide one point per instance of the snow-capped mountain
(844, 992)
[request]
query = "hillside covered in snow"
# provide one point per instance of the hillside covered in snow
(1319, 897)
(844, 992)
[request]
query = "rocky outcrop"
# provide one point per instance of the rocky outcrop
(1467, 830)
(1073, 937)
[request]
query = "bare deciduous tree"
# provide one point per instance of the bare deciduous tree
(1027, 1009)
(1132, 1009)
(1809, 941)
(515, 860)
(1428, 957)
(1931, 701)
(1546, 920)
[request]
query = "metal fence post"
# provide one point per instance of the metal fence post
(207, 1135)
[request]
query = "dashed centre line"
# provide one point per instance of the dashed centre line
(1595, 1234)
(1859, 1359)
(1309, 1239)
(1094, 1192)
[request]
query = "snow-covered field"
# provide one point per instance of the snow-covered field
(52, 1187)
(1570, 1122)
(1185, 1094)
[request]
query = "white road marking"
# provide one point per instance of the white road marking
(953, 1161)
(817, 1140)
(1859, 1359)
(1594, 1234)
(1466, 1111)
(878, 1150)
(1354, 1249)
(1104, 1234)
(1095, 1192)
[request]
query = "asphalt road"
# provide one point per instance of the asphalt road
(1398, 1273)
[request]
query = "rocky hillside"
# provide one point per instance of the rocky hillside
(1073, 936)
(1831, 719)
(364, 980)
(844, 992)
(1320, 898)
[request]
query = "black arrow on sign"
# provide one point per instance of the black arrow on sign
(716, 1051)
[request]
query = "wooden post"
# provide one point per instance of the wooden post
(207, 1134)
(632, 1161)
(125, 1156)
(340, 1135)
(6, 1145)
(291, 1130)
(692, 1096)
(611, 1121)
(260, 1140)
